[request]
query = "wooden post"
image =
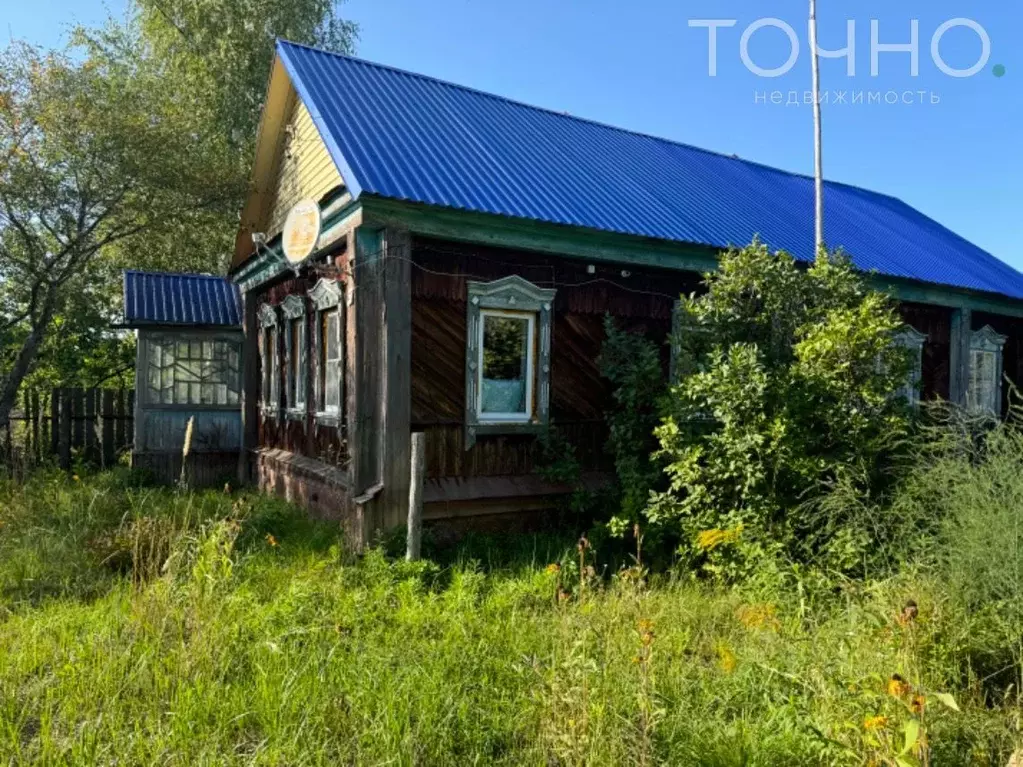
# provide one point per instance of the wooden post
(54, 429)
(90, 424)
(415, 497)
(185, 450)
(959, 355)
(107, 451)
(64, 428)
(37, 448)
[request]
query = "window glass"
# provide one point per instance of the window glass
(193, 373)
(506, 366)
(983, 381)
(330, 361)
(294, 361)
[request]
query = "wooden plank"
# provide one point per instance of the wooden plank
(64, 427)
(36, 427)
(54, 424)
(415, 498)
(77, 417)
(250, 387)
(108, 454)
(89, 427)
(120, 421)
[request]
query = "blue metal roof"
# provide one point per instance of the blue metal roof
(156, 298)
(409, 137)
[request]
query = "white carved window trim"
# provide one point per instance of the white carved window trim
(513, 296)
(269, 356)
(980, 398)
(295, 359)
(912, 340)
(326, 296)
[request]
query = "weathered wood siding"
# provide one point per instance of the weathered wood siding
(301, 436)
(642, 301)
(302, 168)
(936, 323)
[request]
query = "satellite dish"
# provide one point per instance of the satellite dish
(301, 231)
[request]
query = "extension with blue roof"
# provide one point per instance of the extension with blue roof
(404, 136)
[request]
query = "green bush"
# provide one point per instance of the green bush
(788, 387)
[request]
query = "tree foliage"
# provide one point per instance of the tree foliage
(789, 381)
(132, 149)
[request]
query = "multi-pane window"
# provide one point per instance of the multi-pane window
(269, 352)
(329, 348)
(295, 347)
(507, 361)
(329, 394)
(507, 357)
(193, 372)
(984, 392)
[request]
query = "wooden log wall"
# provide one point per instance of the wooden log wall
(304, 436)
(640, 299)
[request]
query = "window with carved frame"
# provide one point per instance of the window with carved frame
(328, 344)
(508, 357)
(269, 356)
(984, 395)
(294, 311)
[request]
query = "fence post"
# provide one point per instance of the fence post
(91, 395)
(415, 498)
(64, 428)
(107, 450)
(36, 446)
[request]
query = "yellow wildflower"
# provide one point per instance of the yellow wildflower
(708, 540)
(898, 687)
(726, 659)
(271, 540)
(76, 478)
(875, 722)
(553, 568)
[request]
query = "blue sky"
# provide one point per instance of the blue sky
(640, 66)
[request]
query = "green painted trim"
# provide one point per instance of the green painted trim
(524, 234)
(578, 242)
(948, 297)
(269, 262)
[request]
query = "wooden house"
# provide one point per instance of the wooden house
(188, 366)
(419, 256)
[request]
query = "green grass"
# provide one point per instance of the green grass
(140, 626)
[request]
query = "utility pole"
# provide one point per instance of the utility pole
(818, 150)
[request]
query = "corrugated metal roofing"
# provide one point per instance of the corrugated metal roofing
(157, 298)
(410, 137)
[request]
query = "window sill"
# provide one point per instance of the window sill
(509, 427)
(327, 419)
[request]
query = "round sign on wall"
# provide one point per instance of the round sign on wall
(301, 231)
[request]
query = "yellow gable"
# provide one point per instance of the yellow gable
(292, 163)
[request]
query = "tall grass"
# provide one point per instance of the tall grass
(141, 626)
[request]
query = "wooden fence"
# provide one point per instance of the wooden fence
(95, 425)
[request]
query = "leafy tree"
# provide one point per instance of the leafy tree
(131, 150)
(788, 384)
(632, 364)
(93, 157)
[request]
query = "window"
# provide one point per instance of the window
(508, 357)
(268, 353)
(912, 341)
(326, 299)
(193, 372)
(507, 360)
(984, 395)
(295, 349)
